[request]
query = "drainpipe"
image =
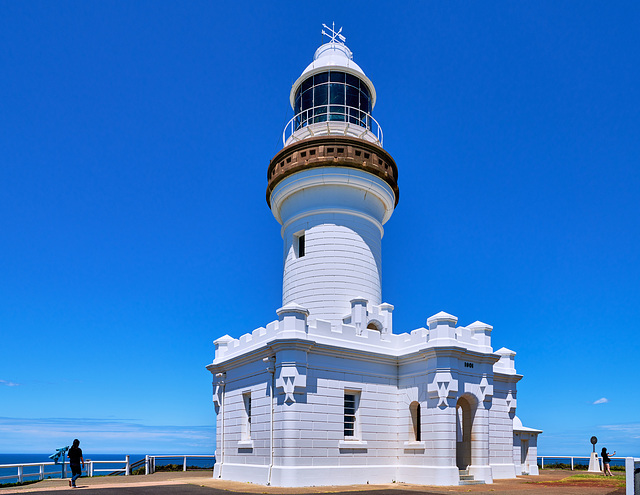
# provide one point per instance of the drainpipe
(221, 380)
(271, 368)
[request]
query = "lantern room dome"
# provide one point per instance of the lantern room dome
(332, 56)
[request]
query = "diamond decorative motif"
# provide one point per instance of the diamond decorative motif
(217, 395)
(443, 387)
(486, 390)
(290, 381)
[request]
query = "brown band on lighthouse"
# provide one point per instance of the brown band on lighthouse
(332, 151)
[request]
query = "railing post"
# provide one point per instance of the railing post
(90, 468)
(146, 464)
(184, 464)
(41, 472)
(127, 467)
(19, 474)
(572, 464)
(541, 462)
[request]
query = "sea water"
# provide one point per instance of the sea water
(583, 461)
(55, 471)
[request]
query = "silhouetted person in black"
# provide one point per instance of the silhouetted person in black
(606, 461)
(75, 460)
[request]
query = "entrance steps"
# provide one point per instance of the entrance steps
(468, 479)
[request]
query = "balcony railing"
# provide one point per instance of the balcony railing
(329, 114)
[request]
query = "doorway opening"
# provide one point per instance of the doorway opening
(465, 412)
(524, 454)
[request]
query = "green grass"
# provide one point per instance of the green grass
(597, 477)
(615, 481)
(24, 483)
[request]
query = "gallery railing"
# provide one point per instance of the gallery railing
(332, 113)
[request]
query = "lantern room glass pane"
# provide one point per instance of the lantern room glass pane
(320, 78)
(307, 83)
(321, 95)
(364, 102)
(297, 108)
(353, 97)
(336, 93)
(336, 76)
(352, 81)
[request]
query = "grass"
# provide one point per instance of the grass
(616, 481)
(24, 483)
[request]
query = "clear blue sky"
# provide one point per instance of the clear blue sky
(134, 143)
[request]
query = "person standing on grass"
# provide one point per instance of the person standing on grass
(606, 461)
(75, 460)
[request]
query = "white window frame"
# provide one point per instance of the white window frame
(356, 414)
(299, 237)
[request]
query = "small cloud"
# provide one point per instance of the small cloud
(8, 384)
(629, 430)
(604, 400)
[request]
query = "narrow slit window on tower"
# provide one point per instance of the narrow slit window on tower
(299, 244)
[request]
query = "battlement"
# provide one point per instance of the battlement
(367, 328)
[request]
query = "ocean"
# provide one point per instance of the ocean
(55, 471)
(583, 461)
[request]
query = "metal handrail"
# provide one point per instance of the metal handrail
(309, 116)
(20, 474)
(150, 460)
(572, 457)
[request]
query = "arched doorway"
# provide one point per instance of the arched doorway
(375, 325)
(465, 413)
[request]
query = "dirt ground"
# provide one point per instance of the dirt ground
(550, 482)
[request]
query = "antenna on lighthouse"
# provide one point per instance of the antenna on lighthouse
(333, 34)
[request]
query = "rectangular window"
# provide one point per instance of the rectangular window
(414, 408)
(351, 400)
(246, 399)
(299, 247)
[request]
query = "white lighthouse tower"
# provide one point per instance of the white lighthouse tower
(332, 188)
(328, 394)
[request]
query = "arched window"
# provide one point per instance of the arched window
(416, 427)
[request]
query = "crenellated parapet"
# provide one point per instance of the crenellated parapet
(367, 328)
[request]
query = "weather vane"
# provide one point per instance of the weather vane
(335, 36)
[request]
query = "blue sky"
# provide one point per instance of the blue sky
(134, 143)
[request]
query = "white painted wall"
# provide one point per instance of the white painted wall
(341, 212)
(309, 443)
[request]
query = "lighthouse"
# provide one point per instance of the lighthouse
(332, 188)
(329, 393)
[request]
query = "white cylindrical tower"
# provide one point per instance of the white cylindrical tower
(332, 188)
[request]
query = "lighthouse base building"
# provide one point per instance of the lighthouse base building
(329, 394)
